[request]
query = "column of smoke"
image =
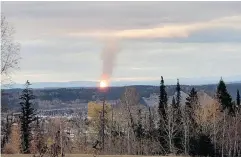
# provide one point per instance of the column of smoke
(108, 56)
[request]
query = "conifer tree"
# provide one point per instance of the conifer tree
(191, 101)
(192, 98)
(27, 117)
(238, 99)
(202, 146)
(224, 97)
(178, 97)
(190, 122)
(162, 99)
(178, 138)
(162, 115)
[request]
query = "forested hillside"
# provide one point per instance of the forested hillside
(84, 95)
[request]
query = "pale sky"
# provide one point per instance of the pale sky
(62, 41)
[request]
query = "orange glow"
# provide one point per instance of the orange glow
(103, 84)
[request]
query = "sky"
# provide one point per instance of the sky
(63, 41)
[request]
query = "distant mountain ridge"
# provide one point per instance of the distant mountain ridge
(67, 97)
(93, 84)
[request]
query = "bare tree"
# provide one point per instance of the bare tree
(170, 127)
(6, 124)
(80, 124)
(130, 99)
(9, 51)
(237, 138)
(9, 62)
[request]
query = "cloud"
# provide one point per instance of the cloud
(167, 31)
(143, 68)
(135, 78)
(181, 39)
(171, 60)
(128, 20)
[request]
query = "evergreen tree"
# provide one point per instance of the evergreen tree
(178, 97)
(224, 97)
(27, 117)
(202, 146)
(178, 138)
(162, 115)
(162, 99)
(192, 98)
(191, 101)
(238, 99)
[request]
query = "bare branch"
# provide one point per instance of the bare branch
(9, 51)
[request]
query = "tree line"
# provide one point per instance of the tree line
(193, 128)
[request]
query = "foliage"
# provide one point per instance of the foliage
(238, 98)
(178, 138)
(62, 97)
(162, 99)
(194, 128)
(162, 116)
(191, 105)
(224, 97)
(202, 146)
(27, 117)
(178, 96)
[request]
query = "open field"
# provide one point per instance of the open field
(79, 155)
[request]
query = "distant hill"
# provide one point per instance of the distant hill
(78, 84)
(66, 97)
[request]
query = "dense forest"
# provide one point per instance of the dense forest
(192, 128)
(66, 95)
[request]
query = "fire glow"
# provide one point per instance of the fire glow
(103, 84)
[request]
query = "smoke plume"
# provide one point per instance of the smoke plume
(108, 57)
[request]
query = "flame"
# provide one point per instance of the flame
(103, 83)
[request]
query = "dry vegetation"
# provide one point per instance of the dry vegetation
(81, 155)
(131, 128)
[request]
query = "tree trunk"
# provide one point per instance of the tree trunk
(223, 135)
